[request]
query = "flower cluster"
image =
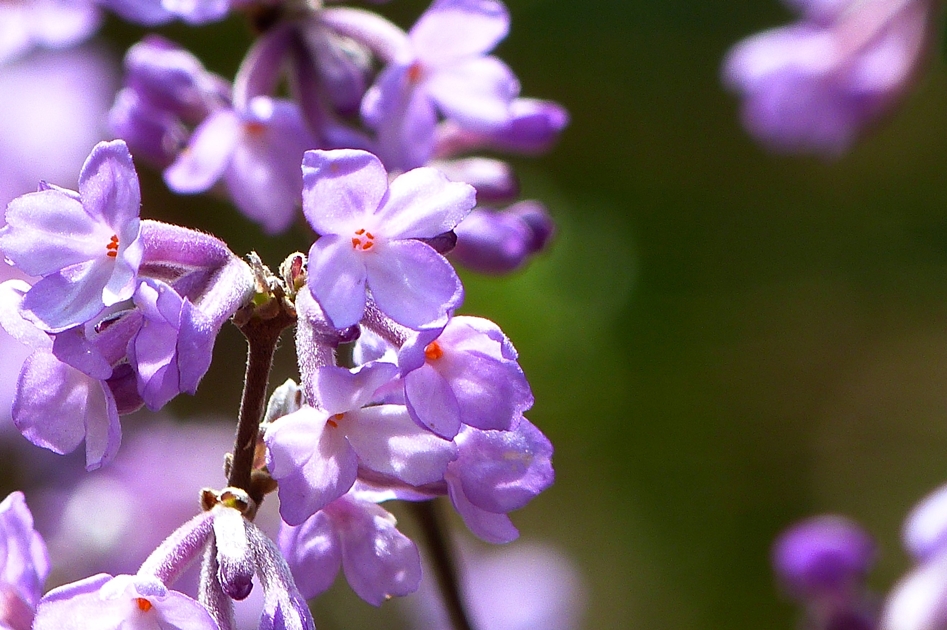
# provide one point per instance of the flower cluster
(369, 130)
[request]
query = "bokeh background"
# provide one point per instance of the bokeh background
(721, 342)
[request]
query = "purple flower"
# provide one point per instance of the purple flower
(447, 70)
(369, 233)
(532, 128)
(315, 454)
(155, 12)
(125, 601)
(821, 555)
(84, 245)
(47, 23)
(467, 375)
(816, 86)
(24, 564)
(498, 242)
(359, 536)
(256, 152)
(497, 472)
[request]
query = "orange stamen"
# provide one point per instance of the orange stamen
(112, 247)
(433, 351)
(333, 421)
(143, 604)
(415, 72)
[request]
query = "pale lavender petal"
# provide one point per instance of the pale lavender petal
(108, 187)
(489, 526)
(314, 553)
(431, 402)
(413, 284)
(424, 203)
(24, 562)
(12, 320)
(476, 93)
(73, 347)
(57, 406)
(387, 441)
(382, 37)
(919, 600)
(403, 116)
(339, 187)
(502, 471)
(925, 529)
(49, 230)
(336, 279)
(452, 29)
(379, 561)
(68, 298)
(212, 144)
(153, 351)
(339, 390)
(313, 463)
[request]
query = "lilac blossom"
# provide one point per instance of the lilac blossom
(124, 601)
(84, 245)
(466, 375)
(315, 453)
(256, 151)
(24, 564)
(502, 241)
(532, 127)
(368, 238)
(47, 23)
(357, 535)
(815, 86)
(497, 472)
(448, 71)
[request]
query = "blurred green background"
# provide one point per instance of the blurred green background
(721, 341)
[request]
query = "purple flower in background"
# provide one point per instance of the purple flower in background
(446, 70)
(84, 245)
(24, 564)
(125, 601)
(532, 127)
(525, 586)
(368, 238)
(47, 23)
(357, 535)
(815, 86)
(825, 553)
(155, 12)
(53, 105)
(468, 375)
(256, 152)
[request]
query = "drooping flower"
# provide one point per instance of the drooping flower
(84, 245)
(369, 233)
(24, 564)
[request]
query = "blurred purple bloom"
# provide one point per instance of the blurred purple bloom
(24, 564)
(368, 238)
(448, 71)
(113, 603)
(84, 245)
(521, 587)
(497, 242)
(155, 12)
(467, 375)
(47, 23)
(821, 555)
(256, 152)
(53, 104)
(359, 536)
(816, 86)
(315, 454)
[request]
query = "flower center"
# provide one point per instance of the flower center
(363, 240)
(112, 247)
(334, 420)
(433, 351)
(254, 128)
(143, 604)
(415, 72)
